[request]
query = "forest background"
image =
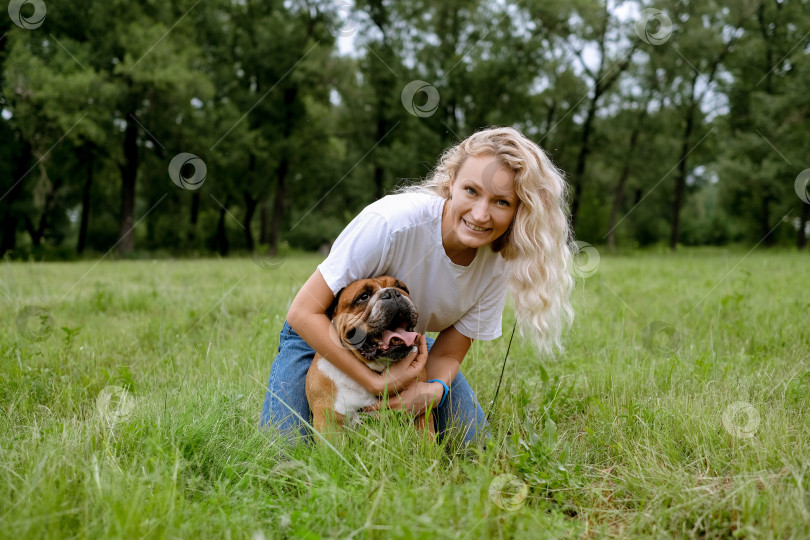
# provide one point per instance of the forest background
(234, 126)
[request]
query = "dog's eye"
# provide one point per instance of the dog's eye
(363, 297)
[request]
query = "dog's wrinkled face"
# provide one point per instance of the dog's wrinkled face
(375, 318)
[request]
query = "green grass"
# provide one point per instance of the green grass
(622, 437)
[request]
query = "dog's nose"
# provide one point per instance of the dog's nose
(389, 294)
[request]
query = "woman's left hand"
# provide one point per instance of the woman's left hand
(415, 398)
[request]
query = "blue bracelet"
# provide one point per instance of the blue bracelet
(444, 394)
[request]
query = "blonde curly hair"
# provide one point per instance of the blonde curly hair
(538, 245)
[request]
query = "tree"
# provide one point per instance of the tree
(703, 35)
(592, 26)
(766, 129)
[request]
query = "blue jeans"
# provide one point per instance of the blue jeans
(286, 393)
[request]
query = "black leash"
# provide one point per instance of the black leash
(498, 388)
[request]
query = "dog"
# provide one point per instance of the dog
(375, 319)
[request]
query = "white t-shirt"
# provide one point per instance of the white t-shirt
(400, 236)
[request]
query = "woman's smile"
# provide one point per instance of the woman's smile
(482, 205)
(474, 227)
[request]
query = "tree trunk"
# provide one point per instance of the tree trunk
(601, 83)
(765, 221)
(382, 129)
(195, 214)
(618, 193)
(48, 206)
(452, 121)
(680, 179)
(129, 172)
(801, 238)
(12, 217)
(584, 150)
(767, 40)
(222, 236)
(290, 95)
(250, 209)
(85, 218)
(382, 80)
(378, 182)
(264, 222)
(278, 204)
(9, 242)
(32, 232)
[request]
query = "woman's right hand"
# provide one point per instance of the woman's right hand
(405, 372)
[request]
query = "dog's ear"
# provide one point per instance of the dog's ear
(399, 285)
(330, 311)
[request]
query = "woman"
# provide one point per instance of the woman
(490, 218)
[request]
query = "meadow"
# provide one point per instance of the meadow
(130, 394)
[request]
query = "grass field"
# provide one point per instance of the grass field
(130, 409)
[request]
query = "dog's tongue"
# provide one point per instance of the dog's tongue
(408, 338)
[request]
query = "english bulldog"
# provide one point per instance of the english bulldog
(375, 319)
